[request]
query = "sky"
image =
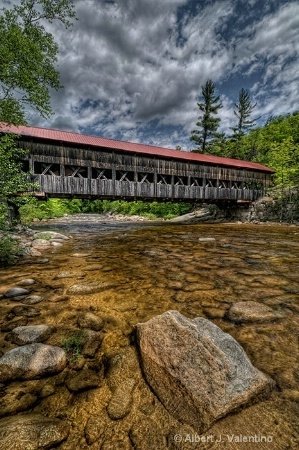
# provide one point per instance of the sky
(133, 69)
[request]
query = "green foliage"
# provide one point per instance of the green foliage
(35, 209)
(12, 179)
(3, 216)
(73, 344)
(208, 122)
(276, 145)
(151, 210)
(28, 55)
(9, 250)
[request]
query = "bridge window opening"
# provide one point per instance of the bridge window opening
(253, 185)
(236, 185)
(46, 169)
(145, 177)
(163, 179)
(223, 184)
(101, 174)
(197, 182)
(76, 172)
(25, 166)
(211, 183)
(180, 181)
(124, 176)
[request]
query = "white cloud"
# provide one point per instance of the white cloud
(130, 63)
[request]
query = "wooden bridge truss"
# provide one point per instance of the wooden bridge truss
(64, 171)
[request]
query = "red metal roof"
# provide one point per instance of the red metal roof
(100, 142)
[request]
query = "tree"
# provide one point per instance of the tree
(208, 122)
(243, 111)
(28, 55)
(12, 180)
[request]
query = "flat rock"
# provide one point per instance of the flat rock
(146, 434)
(69, 274)
(26, 311)
(207, 239)
(31, 432)
(91, 321)
(26, 282)
(30, 334)
(198, 372)
(15, 399)
(92, 343)
(82, 380)
(31, 361)
(15, 292)
(95, 428)
(121, 400)
(32, 299)
(40, 243)
(50, 235)
(56, 244)
(92, 288)
(251, 312)
(59, 298)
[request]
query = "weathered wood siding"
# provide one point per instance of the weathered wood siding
(68, 171)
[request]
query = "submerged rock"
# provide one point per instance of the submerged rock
(91, 321)
(15, 292)
(32, 299)
(31, 361)
(31, 432)
(26, 311)
(92, 342)
(92, 288)
(198, 372)
(26, 282)
(146, 434)
(121, 400)
(15, 399)
(30, 334)
(251, 312)
(82, 380)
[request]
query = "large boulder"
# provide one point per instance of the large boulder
(31, 432)
(31, 361)
(198, 372)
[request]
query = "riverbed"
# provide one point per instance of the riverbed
(198, 270)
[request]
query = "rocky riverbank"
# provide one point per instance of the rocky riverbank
(263, 211)
(32, 243)
(74, 373)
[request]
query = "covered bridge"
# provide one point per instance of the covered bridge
(67, 164)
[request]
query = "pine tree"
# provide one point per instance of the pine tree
(208, 122)
(243, 111)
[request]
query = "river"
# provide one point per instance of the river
(150, 269)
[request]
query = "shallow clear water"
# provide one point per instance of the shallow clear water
(152, 269)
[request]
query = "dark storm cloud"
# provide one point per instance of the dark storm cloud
(132, 66)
